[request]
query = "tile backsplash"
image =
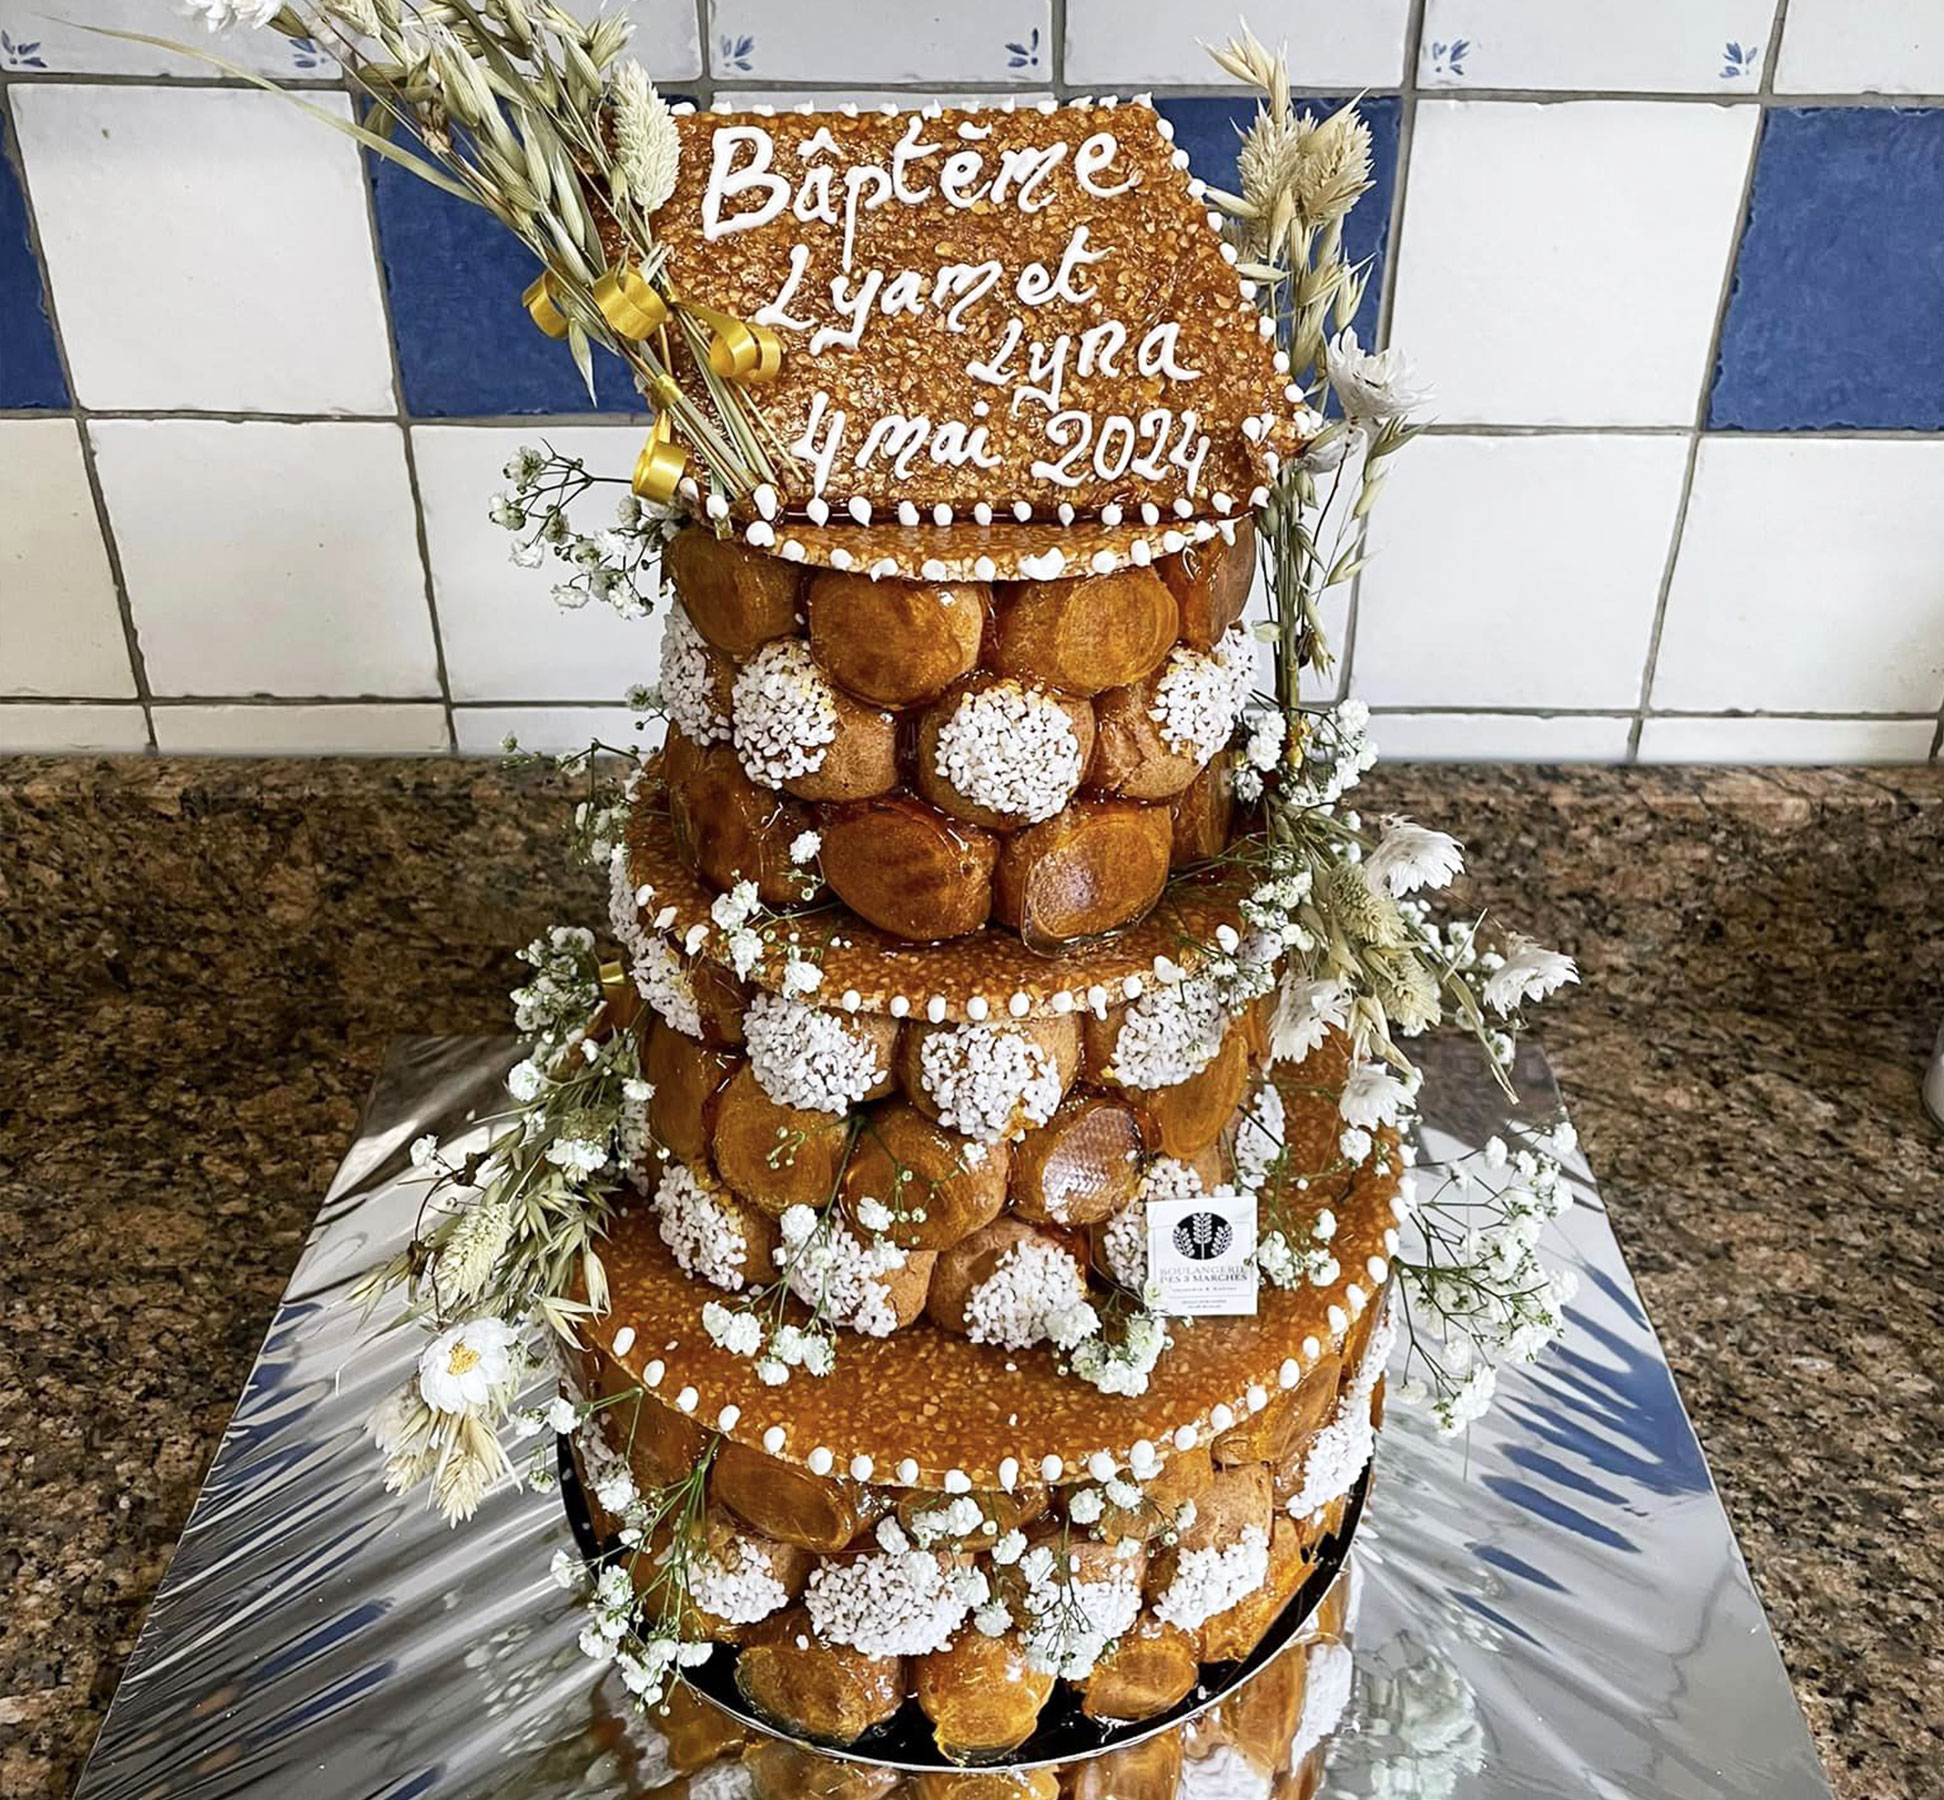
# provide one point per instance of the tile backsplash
(1674, 268)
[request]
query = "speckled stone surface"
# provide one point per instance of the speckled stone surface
(206, 960)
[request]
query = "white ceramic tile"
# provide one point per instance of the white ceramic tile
(208, 249)
(482, 730)
(60, 626)
(504, 636)
(1499, 737)
(1562, 264)
(1516, 571)
(268, 558)
(44, 36)
(1825, 742)
(30, 727)
(300, 730)
(1862, 46)
(1810, 579)
(1607, 46)
(667, 39)
(919, 40)
(1132, 43)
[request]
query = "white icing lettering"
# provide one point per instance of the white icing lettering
(909, 150)
(777, 312)
(1100, 346)
(961, 180)
(1023, 170)
(726, 181)
(1036, 288)
(856, 179)
(1155, 354)
(959, 286)
(904, 294)
(994, 370)
(852, 304)
(1093, 159)
(953, 443)
(897, 437)
(822, 450)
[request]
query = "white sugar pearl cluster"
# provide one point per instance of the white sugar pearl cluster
(1210, 1580)
(1260, 1137)
(893, 1603)
(1035, 1294)
(837, 1270)
(784, 713)
(700, 1232)
(805, 1057)
(659, 976)
(1170, 1034)
(742, 1589)
(687, 692)
(1199, 696)
(987, 1082)
(1012, 749)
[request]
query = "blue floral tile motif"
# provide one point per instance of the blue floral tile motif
(1026, 55)
(1449, 59)
(30, 367)
(14, 54)
(735, 52)
(307, 58)
(1208, 129)
(465, 344)
(1739, 60)
(1837, 314)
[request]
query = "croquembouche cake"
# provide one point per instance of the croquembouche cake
(969, 1198)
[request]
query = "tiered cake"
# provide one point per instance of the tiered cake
(937, 902)
(970, 1211)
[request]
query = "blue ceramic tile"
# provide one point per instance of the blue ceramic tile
(465, 343)
(1837, 313)
(30, 371)
(1208, 129)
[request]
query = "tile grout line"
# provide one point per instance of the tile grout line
(704, 83)
(78, 415)
(1387, 298)
(275, 702)
(1056, 25)
(1677, 531)
(401, 421)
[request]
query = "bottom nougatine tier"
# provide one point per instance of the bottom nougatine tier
(1270, 1736)
(961, 1537)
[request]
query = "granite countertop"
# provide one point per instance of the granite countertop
(208, 959)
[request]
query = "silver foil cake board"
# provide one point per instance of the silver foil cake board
(1551, 1605)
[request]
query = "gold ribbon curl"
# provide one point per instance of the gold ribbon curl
(635, 310)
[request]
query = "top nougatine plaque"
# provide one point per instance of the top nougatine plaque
(1007, 321)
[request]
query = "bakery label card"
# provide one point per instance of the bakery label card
(1201, 1255)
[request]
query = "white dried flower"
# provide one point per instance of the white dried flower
(1413, 856)
(1373, 1096)
(1306, 1013)
(1529, 972)
(647, 146)
(463, 1366)
(1371, 386)
(225, 15)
